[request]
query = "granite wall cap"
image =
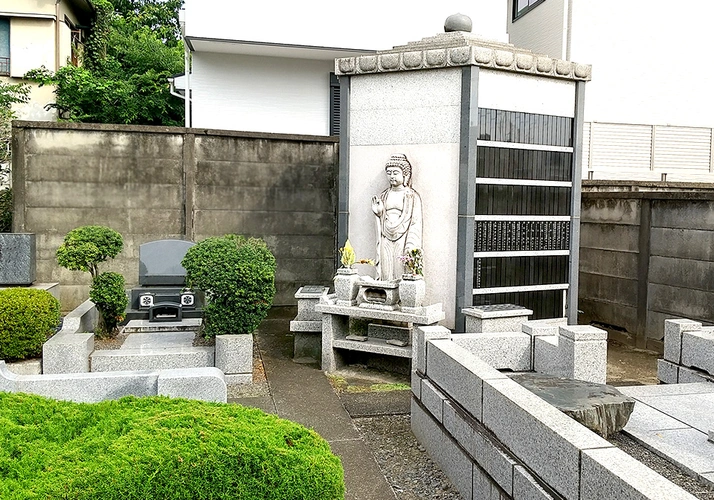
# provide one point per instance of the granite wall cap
(460, 48)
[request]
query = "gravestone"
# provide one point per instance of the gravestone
(161, 296)
(17, 259)
(160, 262)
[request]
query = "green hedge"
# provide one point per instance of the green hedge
(28, 317)
(159, 448)
(238, 276)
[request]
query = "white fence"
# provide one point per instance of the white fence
(647, 152)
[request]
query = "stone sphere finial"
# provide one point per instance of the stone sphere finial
(458, 22)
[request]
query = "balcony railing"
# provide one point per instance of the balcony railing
(4, 66)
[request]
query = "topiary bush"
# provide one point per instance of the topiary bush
(169, 449)
(107, 293)
(5, 210)
(28, 317)
(82, 250)
(238, 276)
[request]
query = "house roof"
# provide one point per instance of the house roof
(257, 48)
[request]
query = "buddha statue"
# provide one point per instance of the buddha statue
(399, 219)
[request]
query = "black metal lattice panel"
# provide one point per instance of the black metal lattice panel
(499, 199)
(520, 236)
(544, 304)
(507, 163)
(490, 272)
(525, 128)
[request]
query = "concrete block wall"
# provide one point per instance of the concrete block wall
(153, 183)
(496, 439)
(688, 353)
(646, 256)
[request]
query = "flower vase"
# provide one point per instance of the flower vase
(346, 286)
(412, 290)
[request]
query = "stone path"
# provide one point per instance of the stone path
(674, 421)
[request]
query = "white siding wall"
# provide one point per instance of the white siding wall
(261, 94)
(542, 30)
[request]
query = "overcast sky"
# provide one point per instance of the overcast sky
(366, 24)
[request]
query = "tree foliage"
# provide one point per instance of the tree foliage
(10, 93)
(132, 49)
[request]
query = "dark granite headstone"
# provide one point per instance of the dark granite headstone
(160, 262)
(17, 258)
(599, 407)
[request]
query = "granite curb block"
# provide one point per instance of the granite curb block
(234, 354)
(152, 359)
(68, 350)
(205, 384)
(673, 330)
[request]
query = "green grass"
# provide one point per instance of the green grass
(158, 448)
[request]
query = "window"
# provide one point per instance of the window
(4, 46)
(521, 7)
(334, 105)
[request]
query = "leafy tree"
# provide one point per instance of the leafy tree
(10, 93)
(131, 51)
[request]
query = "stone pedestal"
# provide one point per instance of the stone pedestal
(346, 286)
(17, 258)
(234, 356)
(412, 290)
(307, 325)
(496, 318)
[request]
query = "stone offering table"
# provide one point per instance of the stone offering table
(336, 329)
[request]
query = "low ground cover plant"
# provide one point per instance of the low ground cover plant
(28, 317)
(82, 250)
(238, 276)
(162, 448)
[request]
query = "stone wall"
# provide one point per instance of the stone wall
(153, 183)
(646, 254)
(495, 439)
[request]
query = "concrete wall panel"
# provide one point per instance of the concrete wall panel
(606, 236)
(608, 263)
(153, 183)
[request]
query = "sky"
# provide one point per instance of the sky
(367, 24)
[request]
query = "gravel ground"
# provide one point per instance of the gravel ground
(404, 462)
(413, 475)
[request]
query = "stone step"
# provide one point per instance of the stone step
(159, 340)
(151, 359)
(145, 326)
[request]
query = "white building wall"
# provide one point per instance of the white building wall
(648, 61)
(32, 44)
(261, 94)
(542, 30)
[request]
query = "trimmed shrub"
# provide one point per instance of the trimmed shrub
(6, 210)
(82, 250)
(28, 317)
(87, 246)
(107, 293)
(238, 276)
(169, 449)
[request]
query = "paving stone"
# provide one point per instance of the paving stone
(543, 438)
(637, 391)
(698, 350)
(493, 460)
(689, 448)
(611, 473)
(443, 450)
(525, 487)
(695, 410)
(667, 372)
(459, 373)
(158, 340)
(673, 329)
(644, 418)
(501, 350)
